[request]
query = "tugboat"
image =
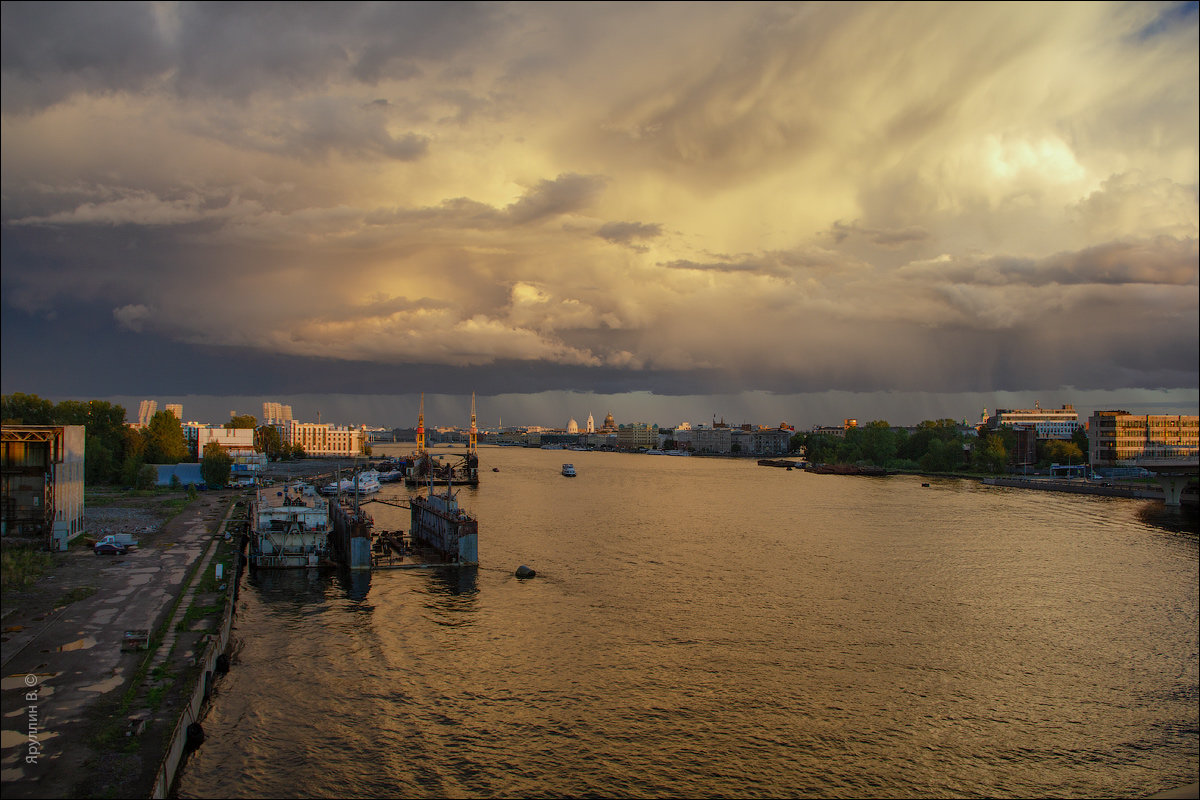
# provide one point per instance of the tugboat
(568, 470)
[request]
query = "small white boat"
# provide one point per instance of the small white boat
(568, 470)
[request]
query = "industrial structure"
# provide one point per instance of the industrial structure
(42, 469)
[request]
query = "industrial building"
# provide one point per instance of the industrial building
(1118, 438)
(42, 468)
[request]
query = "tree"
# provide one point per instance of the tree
(26, 409)
(879, 445)
(147, 476)
(267, 440)
(216, 465)
(242, 421)
(1080, 438)
(990, 454)
(1059, 451)
(164, 439)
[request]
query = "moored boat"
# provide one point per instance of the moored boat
(288, 527)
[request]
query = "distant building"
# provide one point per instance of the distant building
(146, 411)
(42, 469)
(323, 439)
(713, 440)
(610, 424)
(591, 424)
(637, 436)
(248, 463)
(572, 426)
(276, 414)
(1118, 438)
(1049, 423)
(830, 430)
(176, 409)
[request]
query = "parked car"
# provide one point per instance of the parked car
(117, 544)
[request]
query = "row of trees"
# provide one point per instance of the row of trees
(117, 454)
(935, 446)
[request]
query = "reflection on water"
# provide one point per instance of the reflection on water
(706, 627)
(1179, 519)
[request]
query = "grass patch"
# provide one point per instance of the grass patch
(197, 613)
(76, 594)
(21, 566)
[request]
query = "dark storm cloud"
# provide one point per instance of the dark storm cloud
(1161, 261)
(563, 195)
(231, 50)
(54, 50)
(361, 193)
(629, 233)
(884, 237)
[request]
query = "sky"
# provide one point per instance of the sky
(758, 212)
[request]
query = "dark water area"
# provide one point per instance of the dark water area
(708, 627)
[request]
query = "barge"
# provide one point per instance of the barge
(288, 527)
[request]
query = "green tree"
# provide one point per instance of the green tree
(99, 461)
(216, 465)
(26, 409)
(1080, 438)
(267, 440)
(242, 421)
(147, 477)
(164, 440)
(1059, 451)
(131, 467)
(942, 456)
(879, 444)
(820, 448)
(990, 454)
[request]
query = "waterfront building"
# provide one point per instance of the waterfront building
(1049, 423)
(1119, 438)
(324, 440)
(716, 440)
(591, 423)
(572, 426)
(42, 470)
(772, 441)
(610, 424)
(637, 436)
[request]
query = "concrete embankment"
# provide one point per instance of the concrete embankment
(1142, 492)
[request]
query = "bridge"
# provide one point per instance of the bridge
(1173, 467)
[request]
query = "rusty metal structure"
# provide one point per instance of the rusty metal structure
(42, 472)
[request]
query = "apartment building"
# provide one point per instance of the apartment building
(323, 439)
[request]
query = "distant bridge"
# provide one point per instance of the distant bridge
(1173, 467)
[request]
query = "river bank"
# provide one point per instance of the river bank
(85, 715)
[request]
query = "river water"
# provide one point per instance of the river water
(709, 627)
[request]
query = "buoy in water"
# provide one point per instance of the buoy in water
(524, 572)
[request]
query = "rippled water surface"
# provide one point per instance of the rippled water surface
(709, 627)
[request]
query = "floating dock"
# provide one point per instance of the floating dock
(439, 522)
(288, 527)
(350, 537)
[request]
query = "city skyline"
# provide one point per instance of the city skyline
(554, 409)
(764, 212)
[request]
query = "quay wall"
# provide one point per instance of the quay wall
(194, 709)
(1078, 487)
